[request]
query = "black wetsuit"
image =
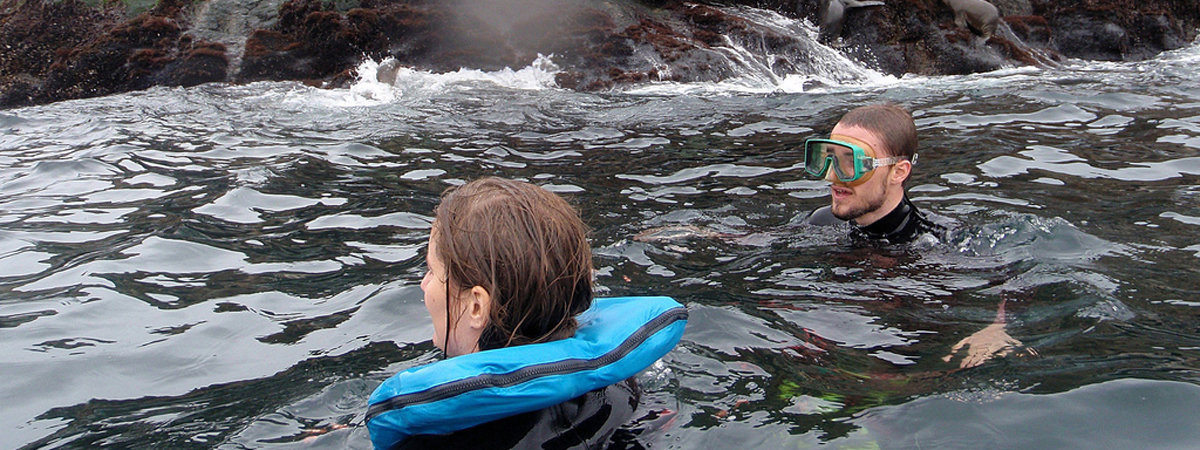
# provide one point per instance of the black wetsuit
(901, 225)
(584, 422)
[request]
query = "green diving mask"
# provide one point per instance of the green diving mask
(852, 159)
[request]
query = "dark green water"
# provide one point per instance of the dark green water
(238, 266)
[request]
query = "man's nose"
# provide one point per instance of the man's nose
(830, 176)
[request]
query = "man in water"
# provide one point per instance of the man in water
(867, 159)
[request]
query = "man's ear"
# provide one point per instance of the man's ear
(478, 307)
(900, 172)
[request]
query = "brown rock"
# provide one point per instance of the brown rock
(60, 49)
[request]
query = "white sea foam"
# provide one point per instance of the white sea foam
(538, 75)
(369, 90)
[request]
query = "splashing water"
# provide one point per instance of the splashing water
(806, 66)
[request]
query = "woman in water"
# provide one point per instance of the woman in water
(509, 265)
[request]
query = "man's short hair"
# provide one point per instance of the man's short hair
(891, 123)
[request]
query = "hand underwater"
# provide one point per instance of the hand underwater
(983, 345)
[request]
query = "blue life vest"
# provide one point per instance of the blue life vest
(617, 338)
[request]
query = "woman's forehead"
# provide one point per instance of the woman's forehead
(431, 246)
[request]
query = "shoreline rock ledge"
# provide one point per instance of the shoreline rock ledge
(52, 50)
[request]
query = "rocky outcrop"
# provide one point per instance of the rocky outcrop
(62, 49)
(1118, 30)
(922, 38)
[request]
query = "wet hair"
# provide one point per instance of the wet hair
(891, 123)
(527, 247)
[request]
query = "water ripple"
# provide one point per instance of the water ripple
(1008, 166)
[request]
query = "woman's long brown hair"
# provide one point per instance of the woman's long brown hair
(527, 247)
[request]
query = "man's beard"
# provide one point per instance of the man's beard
(855, 213)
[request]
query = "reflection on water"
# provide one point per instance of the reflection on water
(239, 265)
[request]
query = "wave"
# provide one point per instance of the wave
(805, 66)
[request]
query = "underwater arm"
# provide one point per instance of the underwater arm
(992, 341)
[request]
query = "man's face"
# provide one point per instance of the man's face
(861, 202)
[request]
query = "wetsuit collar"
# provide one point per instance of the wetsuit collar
(897, 226)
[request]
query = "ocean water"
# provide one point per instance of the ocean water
(238, 266)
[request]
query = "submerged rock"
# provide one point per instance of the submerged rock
(61, 49)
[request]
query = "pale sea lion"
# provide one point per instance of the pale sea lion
(979, 14)
(387, 71)
(833, 14)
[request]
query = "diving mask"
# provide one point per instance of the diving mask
(852, 159)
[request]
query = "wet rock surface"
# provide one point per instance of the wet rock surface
(62, 49)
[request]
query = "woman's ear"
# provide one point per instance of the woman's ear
(478, 308)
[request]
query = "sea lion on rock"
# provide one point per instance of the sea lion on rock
(833, 14)
(979, 14)
(387, 71)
